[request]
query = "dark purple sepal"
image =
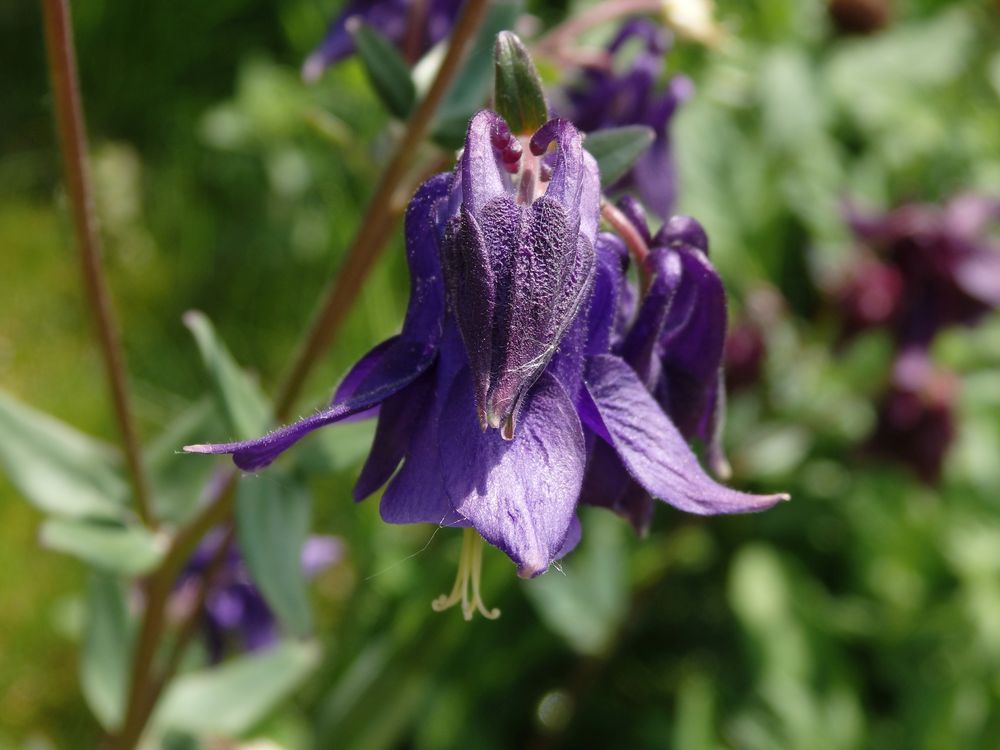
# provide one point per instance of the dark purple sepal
(519, 494)
(398, 420)
(416, 494)
(608, 485)
(692, 347)
(388, 367)
(641, 347)
(623, 413)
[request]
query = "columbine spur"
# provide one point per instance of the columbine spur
(413, 26)
(607, 98)
(501, 376)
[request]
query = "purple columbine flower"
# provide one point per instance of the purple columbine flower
(930, 267)
(235, 612)
(916, 421)
(503, 373)
(606, 98)
(413, 25)
(673, 344)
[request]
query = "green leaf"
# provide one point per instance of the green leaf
(126, 550)
(343, 447)
(56, 468)
(471, 88)
(177, 480)
(228, 700)
(272, 520)
(239, 398)
(387, 71)
(617, 149)
(104, 659)
(517, 88)
(585, 604)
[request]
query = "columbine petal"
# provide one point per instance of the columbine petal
(398, 420)
(483, 175)
(521, 494)
(622, 412)
(416, 494)
(551, 277)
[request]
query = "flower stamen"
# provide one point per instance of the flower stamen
(465, 591)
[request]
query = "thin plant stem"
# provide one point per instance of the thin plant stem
(73, 140)
(634, 241)
(382, 213)
(365, 250)
(568, 32)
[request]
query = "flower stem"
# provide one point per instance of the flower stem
(569, 31)
(367, 246)
(73, 140)
(374, 231)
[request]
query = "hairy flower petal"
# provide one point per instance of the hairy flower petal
(622, 412)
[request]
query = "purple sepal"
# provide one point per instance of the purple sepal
(390, 366)
(623, 413)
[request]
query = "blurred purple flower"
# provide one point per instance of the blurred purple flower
(746, 343)
(931, 267)
(413, 25)
(606, 98)
(235, 612)
(503, 374)
(916, 421)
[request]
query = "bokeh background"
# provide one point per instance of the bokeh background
(865, 613)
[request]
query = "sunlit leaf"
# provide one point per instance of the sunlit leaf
(228, 700)
(106, 646)
(617, 149)
(56, 468)
(178, 482)
(239, 397)
(388, 73)
(470, 90)
(111, 547)
(272, 520)
(586, 601)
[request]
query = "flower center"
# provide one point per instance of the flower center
(466, 588)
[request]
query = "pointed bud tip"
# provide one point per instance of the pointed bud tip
(517, 87)
(313, 68)
(198, 448)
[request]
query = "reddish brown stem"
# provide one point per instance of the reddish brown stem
(367, 248)
(73, 140)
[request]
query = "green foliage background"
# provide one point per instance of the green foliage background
(866, 613)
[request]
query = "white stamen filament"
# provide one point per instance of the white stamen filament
(466, 588)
